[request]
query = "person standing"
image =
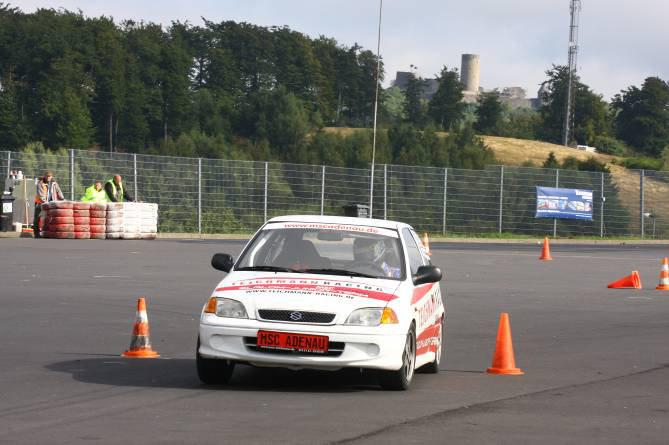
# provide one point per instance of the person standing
(95, 193)
(47, 190)
(116, 192)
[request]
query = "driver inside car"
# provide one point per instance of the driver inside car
(373, 252)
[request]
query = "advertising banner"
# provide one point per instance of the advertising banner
(564, 203)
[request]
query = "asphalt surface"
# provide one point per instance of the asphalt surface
(596, 360)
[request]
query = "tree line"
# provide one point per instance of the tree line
(242, 91)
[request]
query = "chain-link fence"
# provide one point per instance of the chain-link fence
(217, 196)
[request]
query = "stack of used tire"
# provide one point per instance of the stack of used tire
(58, 220)
(114, 220)
(82, 220)
(149, 223)
(98, 215)
(132, 220)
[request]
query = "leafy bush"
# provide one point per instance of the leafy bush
(641, 163)
(610, 145)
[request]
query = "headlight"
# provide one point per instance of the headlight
(225, 307)
(373, 316)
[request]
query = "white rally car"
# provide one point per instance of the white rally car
(325, 293)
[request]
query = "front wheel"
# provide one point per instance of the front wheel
(213, 371)
(401, 379)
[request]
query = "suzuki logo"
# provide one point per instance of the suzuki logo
(296, 316)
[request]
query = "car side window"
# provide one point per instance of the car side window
(422, 249)
(415, 257)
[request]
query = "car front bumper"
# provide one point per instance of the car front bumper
(378, 348)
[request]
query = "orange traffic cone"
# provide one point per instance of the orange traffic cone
(140, 345)
(546, 251)
(631, 281)
(664, 275)
(503, 362)
(426, 243)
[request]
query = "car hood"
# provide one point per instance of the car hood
(306, 292)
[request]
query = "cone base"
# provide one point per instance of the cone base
(546, 259)
(505, 371)
(662, 287)
(141, 353)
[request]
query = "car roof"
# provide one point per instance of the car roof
(368, 222)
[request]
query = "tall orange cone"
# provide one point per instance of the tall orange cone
(546, 251)
(140, 344)
(631, 281)
(664, 275)
(503, 362)
(426, 243)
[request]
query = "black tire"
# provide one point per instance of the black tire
(433, 367)
(213, 371)
(400, 380)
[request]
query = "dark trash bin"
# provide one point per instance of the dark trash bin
(356, 210)
(7, 215)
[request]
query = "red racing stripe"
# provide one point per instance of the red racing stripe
(421, 291)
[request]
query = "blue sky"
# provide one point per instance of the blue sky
(621, 41)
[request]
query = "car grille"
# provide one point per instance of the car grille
(335, 349)
(295, 316)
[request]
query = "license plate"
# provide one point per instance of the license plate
(292, 342)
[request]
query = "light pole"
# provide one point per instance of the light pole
(376, 110)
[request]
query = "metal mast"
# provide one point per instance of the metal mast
(376, 110)
(575, 7)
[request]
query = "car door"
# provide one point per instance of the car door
(426, 301)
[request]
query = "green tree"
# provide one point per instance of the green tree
(642, 118)
(551, 161)
(590, 110)
(414, 105)
(489, 114)
(446, 107)
(394, 104)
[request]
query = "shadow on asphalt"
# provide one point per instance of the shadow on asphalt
(181, 374)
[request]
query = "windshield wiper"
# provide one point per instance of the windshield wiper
(349, 273)
(270, 269)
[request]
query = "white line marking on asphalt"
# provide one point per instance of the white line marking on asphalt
(638, 298)
(109, 276)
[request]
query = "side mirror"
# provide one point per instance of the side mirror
(222, 261)
(427, 274)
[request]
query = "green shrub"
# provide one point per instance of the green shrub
(641, 163)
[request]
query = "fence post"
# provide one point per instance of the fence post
(265, 201)
(71, 174)
(501, 195)
(385, 191)
(443, 216)
(199, 195)
(557, 184)
(642, 209)
(601, 217)
(9, 163)
(134, 169)
(322, 190)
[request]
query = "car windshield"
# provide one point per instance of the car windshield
(331, 249)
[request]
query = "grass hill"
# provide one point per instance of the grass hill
(514, 152)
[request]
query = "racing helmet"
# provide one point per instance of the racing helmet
(369, 250)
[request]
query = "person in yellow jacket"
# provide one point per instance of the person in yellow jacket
(95, 193)
(116, 192)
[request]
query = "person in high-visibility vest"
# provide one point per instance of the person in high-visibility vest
(95, 193)
(47, 190)
(115, 190)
